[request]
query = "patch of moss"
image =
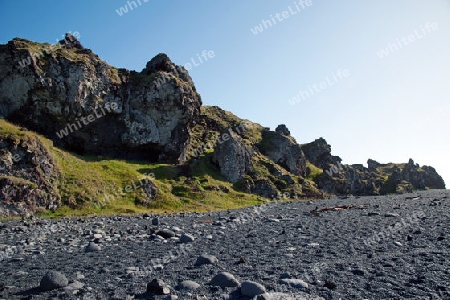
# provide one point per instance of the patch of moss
(312, 171)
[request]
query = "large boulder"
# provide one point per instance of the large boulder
(233, 157)
(53, 280)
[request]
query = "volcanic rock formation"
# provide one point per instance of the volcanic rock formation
(80, 103)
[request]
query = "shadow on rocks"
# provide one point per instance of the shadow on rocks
(30, 292)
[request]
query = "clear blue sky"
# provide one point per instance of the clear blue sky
(389, 109)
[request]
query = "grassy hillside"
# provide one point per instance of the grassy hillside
(85, 181)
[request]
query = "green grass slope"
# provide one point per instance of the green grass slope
(86, 182)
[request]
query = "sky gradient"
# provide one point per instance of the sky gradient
(392, 105)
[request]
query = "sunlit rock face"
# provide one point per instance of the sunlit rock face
(84, 105)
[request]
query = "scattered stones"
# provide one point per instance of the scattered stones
(308, 259)
(53, 280)
(224, 279)
(158, 287)
(92, 247)
(206, 259)
(155, 221)
(251, 289)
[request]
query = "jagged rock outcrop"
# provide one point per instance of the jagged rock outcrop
(372, 165)
(233, 157)
(353, 179)
(28, 177)
(282, 149)
(70, 42)
(358, 180)
(432, 178)
(68, 94)
(319, 154)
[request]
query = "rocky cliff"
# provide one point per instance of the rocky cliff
(84, 105)
(69, 95)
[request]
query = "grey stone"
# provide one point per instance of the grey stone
(296, 283)
(166, 233)
(188, 285)
(53, 280)
(392, 215)
(186, 238)
(224, 279)
(92, 247)
(206, 259)
(251, 289)
(158, 286)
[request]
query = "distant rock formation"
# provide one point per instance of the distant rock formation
(401, 178)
